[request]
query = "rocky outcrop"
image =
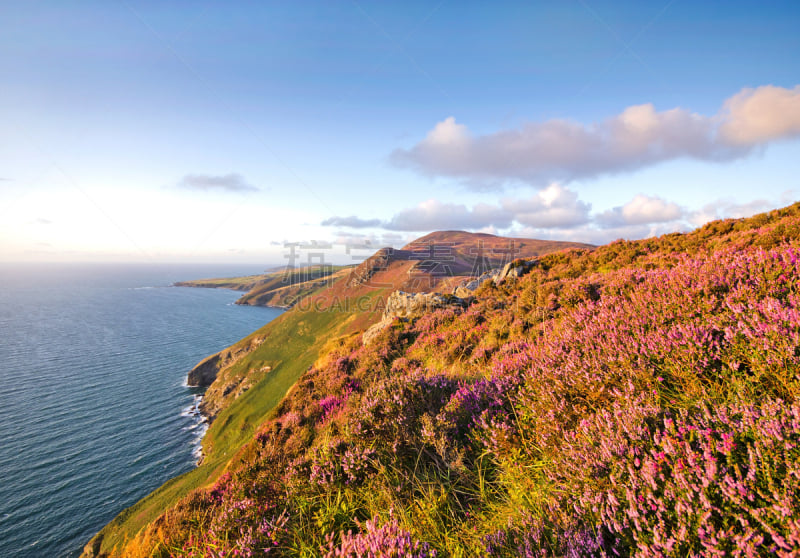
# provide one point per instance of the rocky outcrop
(511, 270)
(408, 306)
(517, 268)
(214, 374)
(467, 288)
(373, 331)
(413, 305)
(204, 374)
(220, 393)
(92, 548)
(207, 371)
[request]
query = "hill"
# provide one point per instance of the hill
(636, 399)
(247, 380)
(436, 261)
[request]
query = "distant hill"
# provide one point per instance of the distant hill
(282, 287)
(439, 260)
(436, 261)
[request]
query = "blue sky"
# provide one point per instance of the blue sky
(219, 131)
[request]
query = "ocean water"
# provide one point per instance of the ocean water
(94, 409)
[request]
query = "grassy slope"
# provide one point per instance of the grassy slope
(293, 341)
(273, 294)
(292, 344)
(454, 503)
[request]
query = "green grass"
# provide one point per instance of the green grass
(125, 525)
(303, 279)
(292, 344)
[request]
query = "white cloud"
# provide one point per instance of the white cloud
(435, 215)
(553, 207)
(640, 210)
(756, 116)
(491, 229)
(728, 209)
(353, 222)
(395, 239)
(640, 136)
(591, 234)
(232, 182)
(369, 242)
(556, 213)
(357, 241)
(448, 133)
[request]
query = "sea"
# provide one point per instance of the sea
(95, 412)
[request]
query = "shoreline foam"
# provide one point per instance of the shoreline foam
(200, 423)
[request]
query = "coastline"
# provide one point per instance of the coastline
(186, 284)
(205, 373)
(201, 421)
(199, 426)
(99, 355)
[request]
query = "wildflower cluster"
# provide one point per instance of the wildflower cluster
(715, 482)
(385, 541)
(238, 526)
(340, 462)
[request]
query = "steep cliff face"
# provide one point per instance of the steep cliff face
(205, 372)
(223, 386)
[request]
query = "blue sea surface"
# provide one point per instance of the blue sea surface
(94, 409)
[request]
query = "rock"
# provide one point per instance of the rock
(462, 291)
(214, 373)
(92, 548)
(467, 288)
(374, 330)
(205, 372)
(517, 268)
(409, 306)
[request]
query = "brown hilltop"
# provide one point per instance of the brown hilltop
(469, 254)
(442, 256)
(434, 262)
(534, 247)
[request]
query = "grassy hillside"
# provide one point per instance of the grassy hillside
(290, 352)
(637, 399)
(279, 353)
